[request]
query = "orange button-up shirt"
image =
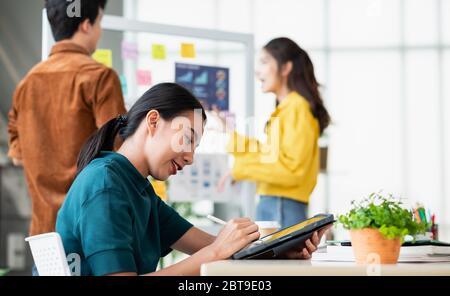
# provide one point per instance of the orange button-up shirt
(55, 108)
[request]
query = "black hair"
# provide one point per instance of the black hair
(63, 25)
(169, 99)
(301, 78)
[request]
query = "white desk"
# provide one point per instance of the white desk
(307, 267)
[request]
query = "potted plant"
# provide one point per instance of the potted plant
(378, 225)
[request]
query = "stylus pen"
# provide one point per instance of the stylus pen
(220, 221)
(215, 219)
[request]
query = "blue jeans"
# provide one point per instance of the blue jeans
(284, 210)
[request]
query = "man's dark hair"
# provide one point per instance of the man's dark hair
(63, 24)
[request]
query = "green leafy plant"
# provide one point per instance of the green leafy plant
(383, 213)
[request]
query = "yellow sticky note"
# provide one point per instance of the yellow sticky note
(158, 52)
(187, 50)
(103, 56)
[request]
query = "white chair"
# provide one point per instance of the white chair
(48, 254)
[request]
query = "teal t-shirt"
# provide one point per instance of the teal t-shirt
(113, 219)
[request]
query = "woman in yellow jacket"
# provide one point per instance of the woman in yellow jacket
(286, 166)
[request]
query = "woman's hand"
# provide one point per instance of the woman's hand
(226, 119)
(235, 235)
(311, 246)
(223, 181)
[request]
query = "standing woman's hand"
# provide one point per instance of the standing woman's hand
(226, 119)
(223, 181)
(235, 235)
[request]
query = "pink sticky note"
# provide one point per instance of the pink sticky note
(144, 77)
(129, 50)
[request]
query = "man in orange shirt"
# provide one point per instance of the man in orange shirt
(58, 105)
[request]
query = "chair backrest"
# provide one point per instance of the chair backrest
(48, 254)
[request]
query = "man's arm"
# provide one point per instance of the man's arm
(17, 162)
(14, 152)
(108, 101)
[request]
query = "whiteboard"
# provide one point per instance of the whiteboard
(214, 48)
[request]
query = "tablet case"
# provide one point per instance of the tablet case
(275, 248)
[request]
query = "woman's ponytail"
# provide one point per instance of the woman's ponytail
(103, 139)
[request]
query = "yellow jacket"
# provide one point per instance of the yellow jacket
(287, 164)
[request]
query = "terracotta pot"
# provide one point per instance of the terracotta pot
(371, 247)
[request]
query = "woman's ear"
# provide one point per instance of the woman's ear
(286, 69)
(152, 119)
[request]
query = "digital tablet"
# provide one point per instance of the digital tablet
(277, 243)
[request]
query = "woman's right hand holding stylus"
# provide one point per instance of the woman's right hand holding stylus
(234, 236)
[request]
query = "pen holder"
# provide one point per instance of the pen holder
(435, 232)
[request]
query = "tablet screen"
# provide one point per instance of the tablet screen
(290, 229)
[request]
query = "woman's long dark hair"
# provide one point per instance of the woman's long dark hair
(302, 78)
(169, 99)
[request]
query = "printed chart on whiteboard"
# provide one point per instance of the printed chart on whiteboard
(208, 84)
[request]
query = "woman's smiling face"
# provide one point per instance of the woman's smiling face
(267, 72)
(171, 143)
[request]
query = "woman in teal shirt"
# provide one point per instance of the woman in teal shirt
(112, 218)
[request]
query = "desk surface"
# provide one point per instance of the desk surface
(308, 267)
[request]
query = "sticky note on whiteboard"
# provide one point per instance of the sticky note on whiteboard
(188, 50)
(143, 77)
(158, 52)
(103, 56)
(129, 50)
